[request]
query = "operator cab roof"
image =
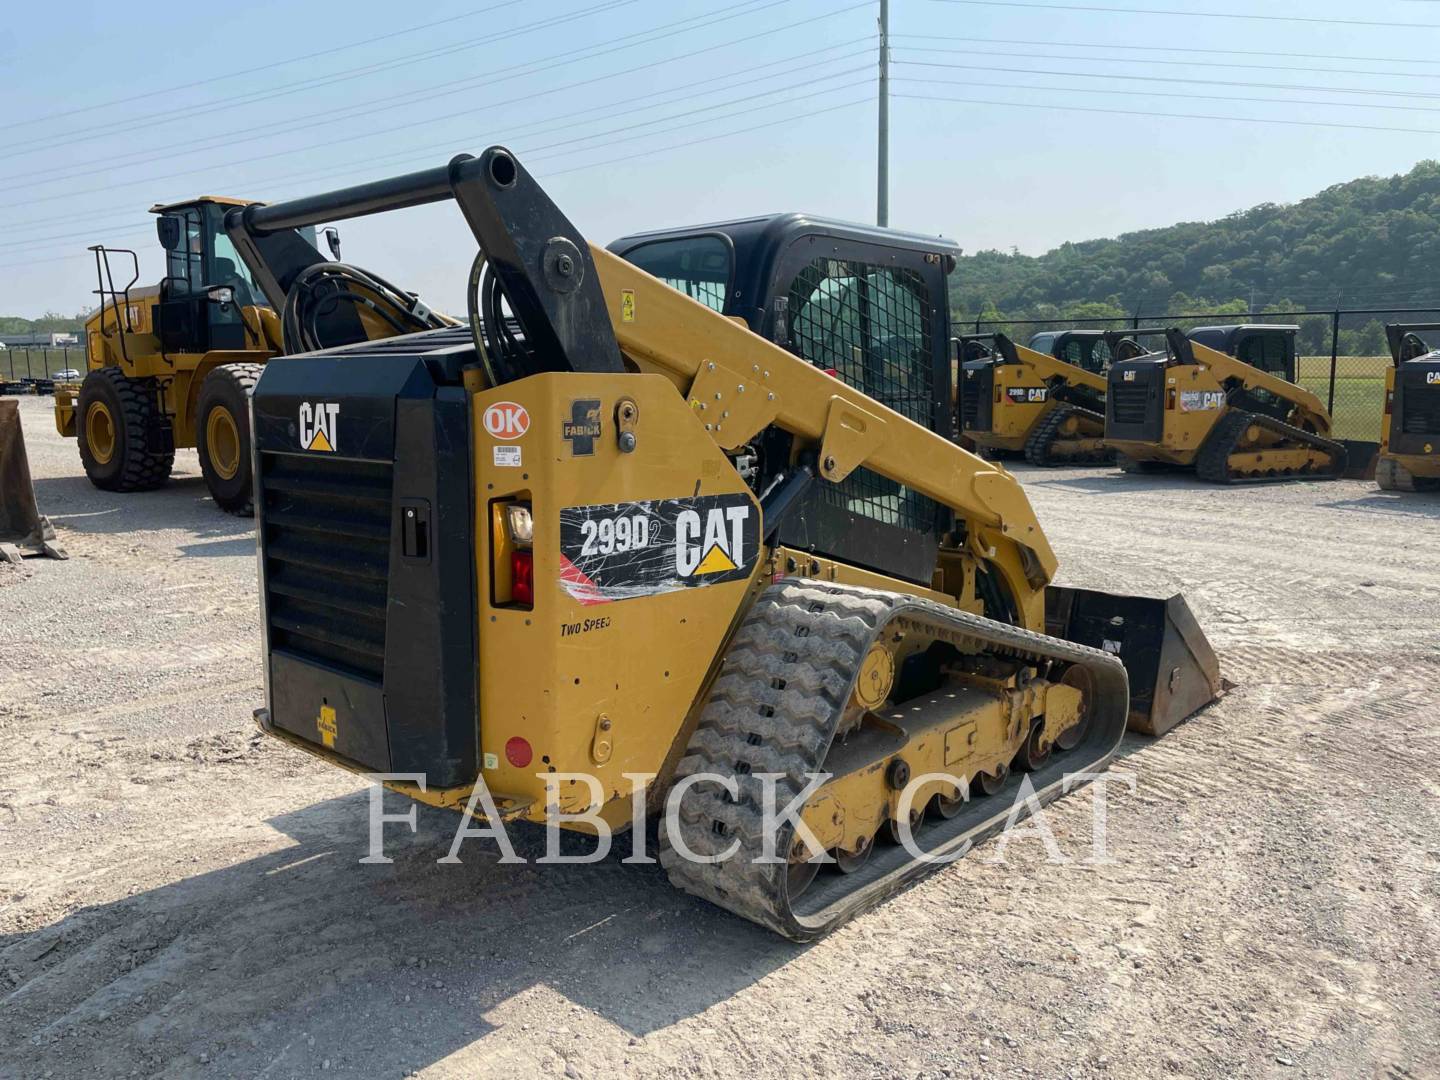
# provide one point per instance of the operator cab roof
(774, 228)
(1222, 338)
(219, 200)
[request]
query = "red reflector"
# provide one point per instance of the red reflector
(522, 577)
(518, 752)
(834, 373)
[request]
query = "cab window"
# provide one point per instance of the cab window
(869, 326)
(698, 266)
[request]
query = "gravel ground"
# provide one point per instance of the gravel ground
(180, 897)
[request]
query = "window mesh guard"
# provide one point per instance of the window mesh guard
(870, 327)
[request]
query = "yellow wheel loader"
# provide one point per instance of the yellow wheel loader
(1221, 400)
(1409, 458)
(681, 530)
(1045, 400)
(172, 365)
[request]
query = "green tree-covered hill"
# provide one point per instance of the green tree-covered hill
(1371, 242)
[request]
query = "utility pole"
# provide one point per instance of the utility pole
(882, 171)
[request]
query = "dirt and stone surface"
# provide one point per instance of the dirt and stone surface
(180, 896)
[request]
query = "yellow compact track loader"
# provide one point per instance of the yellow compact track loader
(680, 527)
(1046, 400)
(1221, 400)
(1409, 458)
(172, 365)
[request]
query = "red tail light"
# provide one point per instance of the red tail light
(1170, 398)
(522, 576)
(834, 373)
(1389, 402)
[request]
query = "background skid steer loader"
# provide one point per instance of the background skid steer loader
(23, 529)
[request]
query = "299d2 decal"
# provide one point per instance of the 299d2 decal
(617, 551)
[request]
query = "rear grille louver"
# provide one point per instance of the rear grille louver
(1128, 404)
(975, 389)
(1420, 414)
(327, 556)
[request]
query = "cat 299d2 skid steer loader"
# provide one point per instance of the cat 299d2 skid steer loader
(1015, 398)
(607, 529)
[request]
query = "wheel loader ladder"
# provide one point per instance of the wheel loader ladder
(109, 294)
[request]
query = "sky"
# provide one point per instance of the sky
(1012, 125)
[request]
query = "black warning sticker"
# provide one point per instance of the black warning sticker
(616, 551)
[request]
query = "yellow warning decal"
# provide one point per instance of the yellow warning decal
(715, 562)
(627, 305)
(326, 725)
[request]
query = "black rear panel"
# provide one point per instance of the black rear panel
(369, 624)
(327, 548)
(977, 395)
(1135, 400)
(1415, 416)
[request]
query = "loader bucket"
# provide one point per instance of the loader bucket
(1360, 459)
(1173, 671)
(23, 531)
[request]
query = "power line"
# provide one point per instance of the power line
(788, 118)
(1173, 116)
(1111, 46)
(411, 125)
(1175, 79)
(545, 126)
(1179, 63)
(1192, 14)
(234, 101)
(991, 84)
(390, 36)
(449, 143)
(270, 132)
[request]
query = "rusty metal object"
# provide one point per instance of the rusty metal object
(23, 529)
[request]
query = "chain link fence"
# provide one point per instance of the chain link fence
(1342, 358)
(34, 369)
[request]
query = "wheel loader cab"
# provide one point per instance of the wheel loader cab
(206, 283)
(867, 306)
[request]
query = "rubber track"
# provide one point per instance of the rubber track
(786, 678)
(144, 470)
(245, 377)
(1042, 438)
(1393, 476)
(1213, 461)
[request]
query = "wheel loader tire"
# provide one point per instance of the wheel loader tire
(222, 435)
(124, 442)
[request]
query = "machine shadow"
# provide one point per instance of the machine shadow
(1411, 504)
(1103, 480)
(401, 962)
(73, 503)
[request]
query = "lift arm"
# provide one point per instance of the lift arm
(561, 289)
